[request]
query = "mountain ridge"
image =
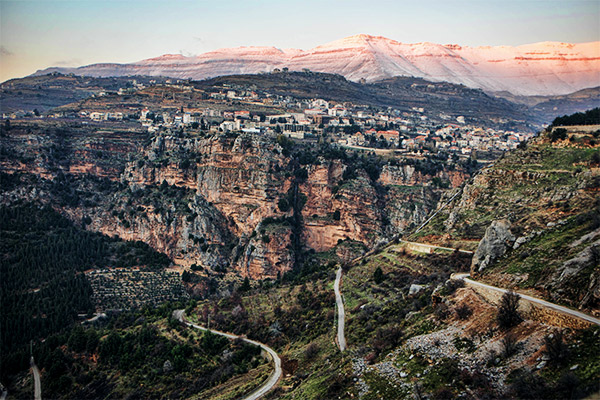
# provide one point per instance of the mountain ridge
(544, 68)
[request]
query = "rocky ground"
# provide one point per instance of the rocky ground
(474, 345)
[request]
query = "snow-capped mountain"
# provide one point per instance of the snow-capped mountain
(546, 68)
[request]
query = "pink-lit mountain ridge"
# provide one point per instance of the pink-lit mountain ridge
(546, 68)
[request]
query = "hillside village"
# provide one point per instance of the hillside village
(235, 108)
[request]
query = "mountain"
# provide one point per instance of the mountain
(546, 68)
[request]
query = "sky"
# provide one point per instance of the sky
(40, 34)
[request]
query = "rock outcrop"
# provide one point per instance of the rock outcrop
(583, 269)
(497, 241)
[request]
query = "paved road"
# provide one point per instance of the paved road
(341, 313)
(273, 379)
(37, 383)
(541, 302)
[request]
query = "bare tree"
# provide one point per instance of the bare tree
(508, 312)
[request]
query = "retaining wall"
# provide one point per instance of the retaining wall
(533, 311)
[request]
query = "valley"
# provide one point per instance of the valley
(325, 266)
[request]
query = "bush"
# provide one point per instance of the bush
(283, 205)
(556, 349)
(558, 134)
(386, 338)
(568, 387)
(441, 311)
(452, 284)
(510, 345)
(311, 351)
(246, 285)
(508, 314)
(378, 275)
(527, 385)
(463, 311)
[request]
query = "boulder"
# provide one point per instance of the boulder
(414, 289)
(497, 240)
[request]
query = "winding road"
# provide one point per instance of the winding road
(37, 383)
(543, 303)
(341, 312)
(273, 379)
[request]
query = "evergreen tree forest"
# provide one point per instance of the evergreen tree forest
(42, 259)
(590, 117)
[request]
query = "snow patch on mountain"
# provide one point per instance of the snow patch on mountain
(546, 68)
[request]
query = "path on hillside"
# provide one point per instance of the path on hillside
(273, 379)
(437, 211)
(543, 303)
(37, 383)
(341, 338)
(431, 246)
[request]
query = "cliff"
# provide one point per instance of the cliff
(216, 201)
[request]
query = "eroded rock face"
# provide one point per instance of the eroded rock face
(213, 200)
(268, 253)
(351, 212)
(583, 268)
(497, 240)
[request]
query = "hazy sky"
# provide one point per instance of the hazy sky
(40, 34)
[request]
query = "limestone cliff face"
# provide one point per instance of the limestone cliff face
(213, 201)
(407, 206)
(183, 226)
(349, 213)
(67, 151)
(268, 253)
(407, 175)
(236, 175)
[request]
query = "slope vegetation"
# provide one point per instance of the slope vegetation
(537, 210)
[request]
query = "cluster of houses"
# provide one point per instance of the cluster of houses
(348, 124)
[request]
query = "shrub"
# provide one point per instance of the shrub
(246, 285)
(311, 351)
(527, 385)
(510, 345)
(463, 311)
(386, 338)
(508, 314)
(556, 349)
(301, 174)
(558, 134)
(441, 311)
(283, 205)
(568, 386)
(378, 275)
(452, 284)
(465, 344)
